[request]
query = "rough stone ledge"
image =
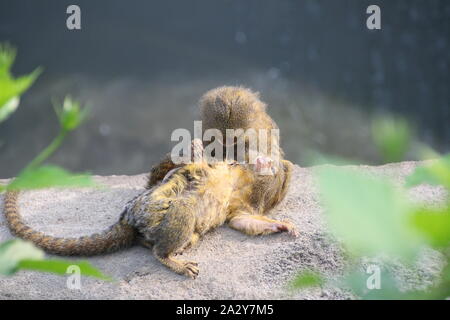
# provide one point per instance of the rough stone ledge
(232, 265)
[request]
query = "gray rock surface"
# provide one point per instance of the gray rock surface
(232, 265)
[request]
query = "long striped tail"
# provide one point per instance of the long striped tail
(117, 236)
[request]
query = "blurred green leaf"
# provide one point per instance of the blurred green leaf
(61, 266)
(392, 137)
(15, 87)
(13, 251)
(437, 173)
(49, 176)
(9, 107)
(71, 114)
(18, 254)
(443, 289)
(369, 214)
(7, 57)
(10, 88)
(435, 225)
(446, 275)
(314, 158)
(307, 279)
(358, 282)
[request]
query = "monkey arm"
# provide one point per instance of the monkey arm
(268, 191)
(253, 225)
(287, 169)
(190, 244)
(159, 171)
(184, 267)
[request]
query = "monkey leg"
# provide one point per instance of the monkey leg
(183, 267)
(261, 225)
(164, 251)
(165, 255)
(145, 243)
(175, 231)
(194, 240)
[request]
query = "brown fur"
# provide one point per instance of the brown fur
(195, 199)
(240, 108)
(183, 202)
(170, 217)
(237, 108)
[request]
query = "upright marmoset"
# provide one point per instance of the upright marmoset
(171, 216)
(240, 108)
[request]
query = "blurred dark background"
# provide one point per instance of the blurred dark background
(142, 66)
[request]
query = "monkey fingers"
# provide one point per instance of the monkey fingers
(183, 267)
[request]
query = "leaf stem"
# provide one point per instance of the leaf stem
(47, 152)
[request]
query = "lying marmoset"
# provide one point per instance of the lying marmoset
(171, 216)
(185, 201)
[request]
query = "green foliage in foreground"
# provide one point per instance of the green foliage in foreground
(14, 251)
(11, 88)
(392, 136)
(367, 213)
(16, 255)
(372, 216)
(48, 176)
(437, 173)
(307, 279)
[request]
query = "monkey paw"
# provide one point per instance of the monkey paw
(264, 166)
(190, 269)
(287, 226)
